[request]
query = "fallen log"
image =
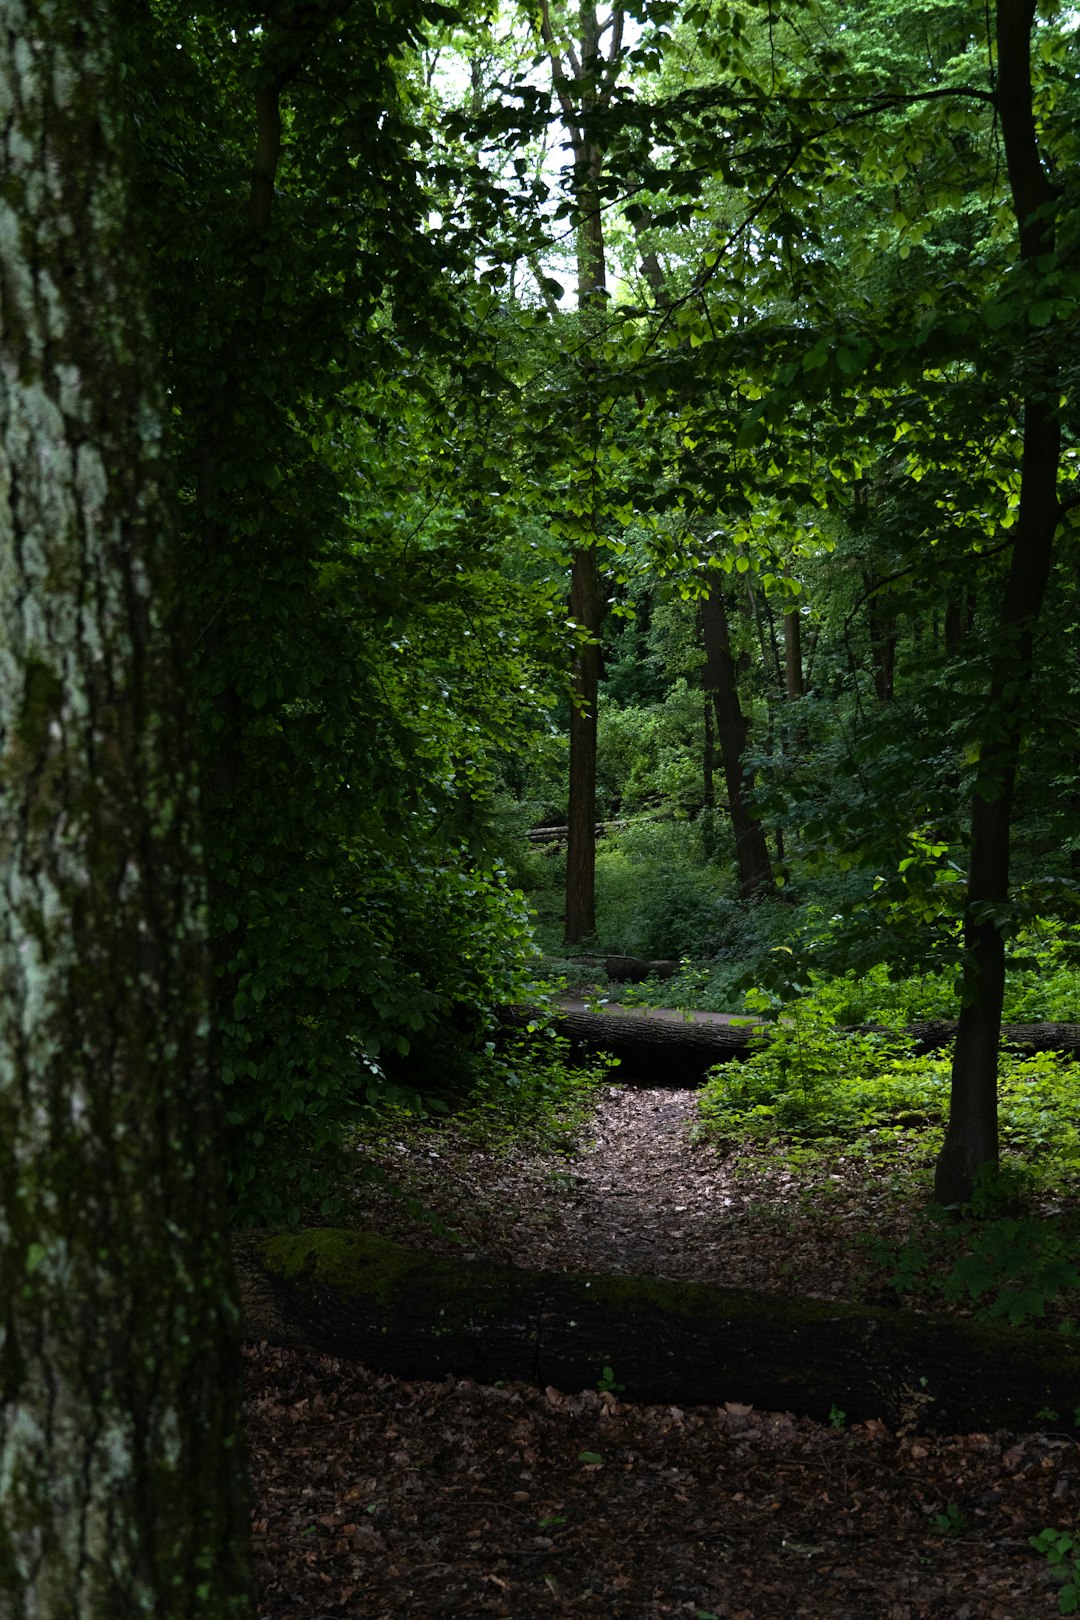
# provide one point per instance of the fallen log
(416, 1316)
(651, 1050)
(636, 969)
(657, 1047)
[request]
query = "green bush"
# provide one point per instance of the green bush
(1043, 983)
(383, 1001)
(527, 1090)
(657, 896)
(651, 756)
(810, 1079)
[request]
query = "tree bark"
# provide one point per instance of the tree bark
(971, 1142)
(581, 809)
(397, 1311)
(882, 630)
(751, 850)
(122, 1487)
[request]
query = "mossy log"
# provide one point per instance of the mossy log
(658, 1049)
(415, 1316)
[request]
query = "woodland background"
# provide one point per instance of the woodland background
(716, 324)
(427, 431)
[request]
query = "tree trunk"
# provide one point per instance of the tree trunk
(583, 85)
(793, 667)
(581, 813)
(121, 1477)
(751, 850)
(416, 1316)
(971, 1142)
(882, 631)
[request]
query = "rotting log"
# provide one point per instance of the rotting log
(658, 1048)
(413, 1315)
(652, 1051)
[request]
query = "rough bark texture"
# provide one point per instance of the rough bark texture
(410, 1314)
(121, 1478)
(678, 1051)
(972, 1140)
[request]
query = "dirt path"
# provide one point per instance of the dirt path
(641, 1197)
(376, 1498)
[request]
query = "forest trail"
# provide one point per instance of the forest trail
(640, 1196)
(381, 1497)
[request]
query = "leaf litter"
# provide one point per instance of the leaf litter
(377, 1497)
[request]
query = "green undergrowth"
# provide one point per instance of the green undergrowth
(814, 1095)
(529, 1092)
(525, 1094)
(1013, 1268)
(812, 1080)
(1042, 985)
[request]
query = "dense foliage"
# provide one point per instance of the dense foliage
(782, 418)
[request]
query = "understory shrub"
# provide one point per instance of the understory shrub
(1009, 1267)
(523, 1091)
(810, 1080)
(658, 895)
(528, 1090)
(650, 755)
(1043, 983)
(380, 1002)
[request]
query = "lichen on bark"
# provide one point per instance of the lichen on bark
(121, 1479)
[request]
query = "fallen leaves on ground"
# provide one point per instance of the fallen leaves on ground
(376, 1497)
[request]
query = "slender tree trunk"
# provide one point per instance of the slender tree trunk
(581, 818)
(793, 666)
(583, 84)
(751, 850)
(954, 624)
(971, 1141)
(121, 1479)
(586, 606)
(881, 626)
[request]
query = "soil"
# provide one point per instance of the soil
(375, 1497)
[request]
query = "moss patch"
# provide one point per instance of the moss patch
(353, 1263)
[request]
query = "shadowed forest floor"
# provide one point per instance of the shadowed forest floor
(376, 1497)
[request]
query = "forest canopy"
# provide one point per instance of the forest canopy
(656, 416)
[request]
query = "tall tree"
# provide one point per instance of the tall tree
(732, 727)
(971, 1141)
(584, 74)
(121, 1477)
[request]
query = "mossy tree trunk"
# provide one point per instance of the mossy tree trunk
(121, 1476)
